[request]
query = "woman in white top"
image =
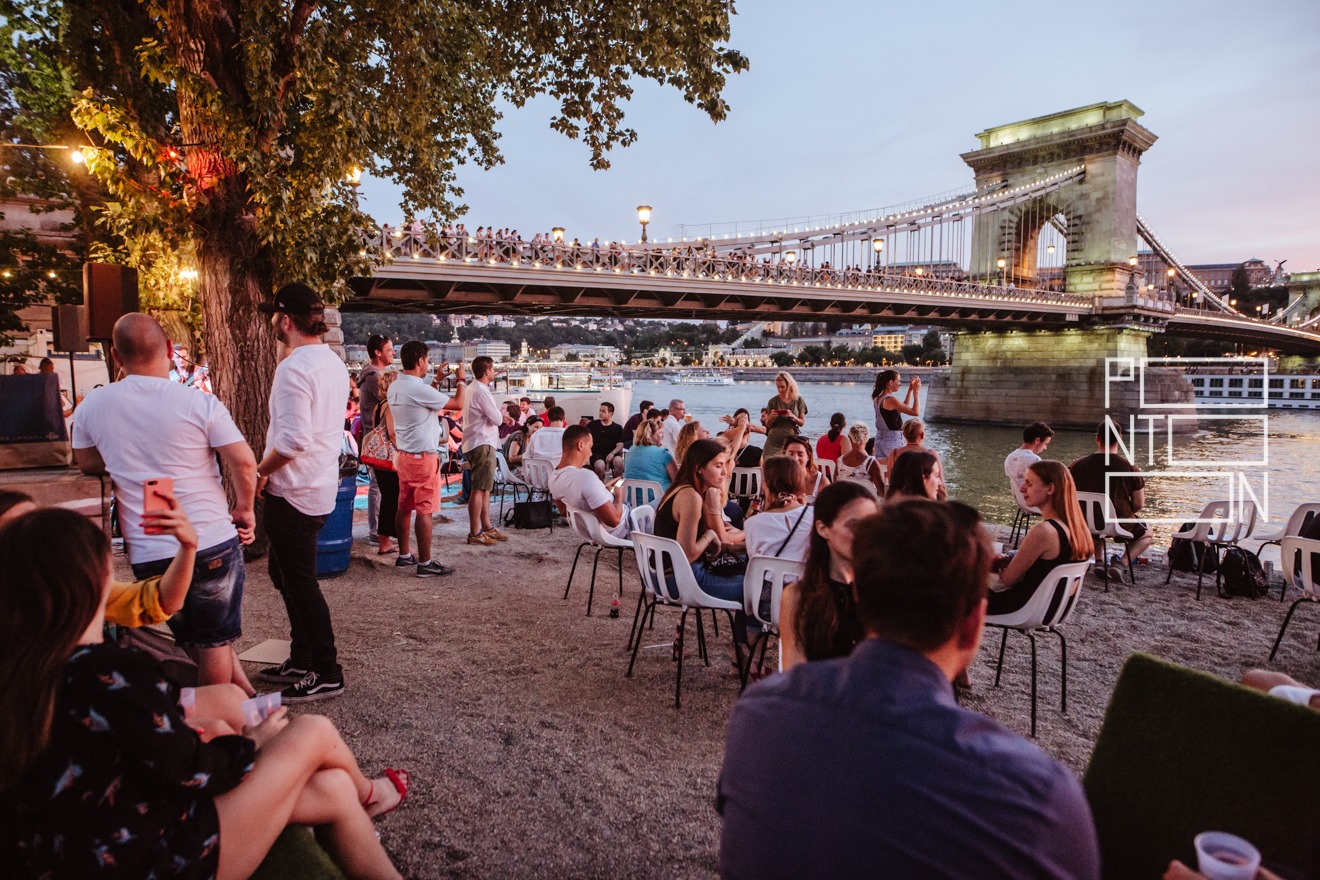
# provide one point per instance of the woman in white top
(856, 465)
(783, 527)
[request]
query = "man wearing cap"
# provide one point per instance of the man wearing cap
(300, 477)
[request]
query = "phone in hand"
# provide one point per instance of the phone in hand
(780, 412)
(154, 494)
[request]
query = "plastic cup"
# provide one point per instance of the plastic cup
(998, 547)
(1222, 856)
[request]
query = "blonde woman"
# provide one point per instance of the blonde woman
(687, 435)
(787, 412)
(856, 465)
(914, 433)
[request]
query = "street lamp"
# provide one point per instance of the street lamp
(354, 176)
(790, 257)
(643, 217)
(1003, 265)
(878, 245)
(558, 234)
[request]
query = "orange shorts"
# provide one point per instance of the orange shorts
(419, 482)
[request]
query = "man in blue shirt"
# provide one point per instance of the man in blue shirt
(867, 766)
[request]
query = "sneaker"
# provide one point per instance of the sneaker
(483, 539)
(313, 687)
(285, 673)
(496, 534)
(1115, 573)
(433, 569)
(404, 561)
(614, 608)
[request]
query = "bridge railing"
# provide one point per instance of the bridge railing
(689, 262)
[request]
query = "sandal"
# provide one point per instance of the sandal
(386, 550)
(400, 780)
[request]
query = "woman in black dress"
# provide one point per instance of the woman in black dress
(1061, 536)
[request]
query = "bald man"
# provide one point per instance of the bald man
(146, 427)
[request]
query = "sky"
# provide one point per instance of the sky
(851, 106)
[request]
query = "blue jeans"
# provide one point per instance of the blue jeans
(212, 612)
(722, 586)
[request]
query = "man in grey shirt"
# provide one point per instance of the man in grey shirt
(380, 349)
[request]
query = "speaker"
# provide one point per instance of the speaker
(68, 326)
(109, 291)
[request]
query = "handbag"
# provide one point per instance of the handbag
(530, 515)
(377, 449)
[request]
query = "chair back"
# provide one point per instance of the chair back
(643, 519)
(639, 492)
(745, 482)
(1209, 518)
(1307, 549)
(829, 466)
(1099, 513)
(537, 471)
(768, 573)
(1296, 522)
(577, 524)
(1052, 603)
(590, 529)
(1233, 529)
(503, 473)
(655, 555)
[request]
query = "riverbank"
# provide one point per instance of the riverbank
(533, 756)
(767, 374)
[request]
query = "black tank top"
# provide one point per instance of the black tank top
(892, 417)
(666, 526)
(1012, 599)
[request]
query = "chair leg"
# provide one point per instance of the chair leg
(620, 572)
(637, 642)
(1032, 637)
(1063, 663)
(678, 678)
(635, 632)
(573, 570)
(702, 650)
(591, 593)
(715, 622)
(1104, 564)
(999, 669)
(1132, 574)
(746, 671)
(1286, 618)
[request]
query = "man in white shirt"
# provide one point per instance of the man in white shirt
(548, 443)
(299, 474)
(415, 408)
(574, 484)
(481, 437)
(146, 427)
(672, 425)
(1035, 438)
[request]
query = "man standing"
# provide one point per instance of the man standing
(299, 474)
(866, 764)
(1035, 438)
(381, 351)
(481, 437)
(146, 427)
(416, 407)
(672, 425)
(548, 443)
(630, 427)
(1105, 471)
(606, 442)
(573, 485)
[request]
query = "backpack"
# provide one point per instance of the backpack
(1187, 555)
(1242, 574)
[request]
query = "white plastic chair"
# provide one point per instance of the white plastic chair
(585, 525)
(640, 492)
(505, 478)
(1298, 521)
(1022, 518)
(1047, 609)
(772, 573)
(1297, 552)
(643, 519)
(745, 482)
(1217, 528)
(829, 466)
(655, 555)
(1100, 515)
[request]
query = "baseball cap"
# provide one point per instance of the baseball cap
(294, 299)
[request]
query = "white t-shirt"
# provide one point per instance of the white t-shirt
(481, 418)
(307, 424)
(547, 443)
(415, 407)
(765, 532)
(669, 434)
(1015, 466)
(145, 428)
(582, 489)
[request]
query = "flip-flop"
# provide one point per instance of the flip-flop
(400, 780)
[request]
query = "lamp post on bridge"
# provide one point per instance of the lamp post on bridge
(644, 217)
(1003, 269)
(878, 245)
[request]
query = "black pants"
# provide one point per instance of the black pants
(388, 481)
(293, 571)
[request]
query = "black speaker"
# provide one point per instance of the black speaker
(68, 326)
(109, 291)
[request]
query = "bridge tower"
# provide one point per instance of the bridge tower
(1014, 377)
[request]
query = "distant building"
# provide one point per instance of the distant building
(586, 352)
(1216, 276)
(491, 348)
(890, 338)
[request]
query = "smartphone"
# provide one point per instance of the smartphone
(152, 502)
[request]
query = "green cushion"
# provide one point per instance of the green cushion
(1183, 752)
(297, 856)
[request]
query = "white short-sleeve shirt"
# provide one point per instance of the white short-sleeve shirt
(582, 489)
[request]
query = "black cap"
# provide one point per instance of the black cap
(294, 299)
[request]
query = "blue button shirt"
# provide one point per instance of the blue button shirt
(866, 766)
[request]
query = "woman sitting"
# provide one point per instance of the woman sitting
(515, 447)
(1061, 536)
(834, 443)
(917, 475)
(783, 527)
(799, 449)
(817, 616)
(914, 432)
(648, 459)
(111, 780)
(858, 464)
(687, 435)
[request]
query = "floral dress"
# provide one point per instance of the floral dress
(125, 786)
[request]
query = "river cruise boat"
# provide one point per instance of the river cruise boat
(701, 377)
(1285, 390)
(577, 387)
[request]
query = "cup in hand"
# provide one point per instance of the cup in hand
(259, 707)
(1221, 856)
(998, 548)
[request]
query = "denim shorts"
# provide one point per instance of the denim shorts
(212, 612)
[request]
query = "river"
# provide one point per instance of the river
(973, 455)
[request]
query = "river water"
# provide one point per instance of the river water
(973, 455)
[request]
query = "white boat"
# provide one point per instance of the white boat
(578, 388)
(701, 377)
(1286, 391)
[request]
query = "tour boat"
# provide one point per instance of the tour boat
(1286, 390)
(701, 377)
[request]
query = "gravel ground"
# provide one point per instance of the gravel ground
(533, 756)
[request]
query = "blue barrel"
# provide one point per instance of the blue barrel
(335, 540)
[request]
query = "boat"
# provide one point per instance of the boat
(701, 377)
(1248, 389)
(578, 388)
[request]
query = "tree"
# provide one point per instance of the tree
(1240, 281)
(782, 359)
(229, 128)
(912, 353)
